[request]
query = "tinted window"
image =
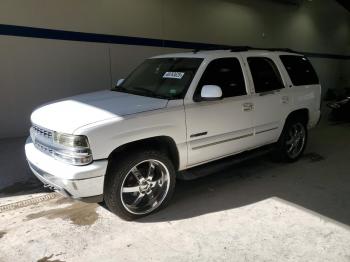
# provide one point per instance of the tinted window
(167, 78)
(226, 73)
(265, 74)
(300, 70)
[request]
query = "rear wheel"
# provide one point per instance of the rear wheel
(139, 184)
(292, 142)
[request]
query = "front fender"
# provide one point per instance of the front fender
(104, 137)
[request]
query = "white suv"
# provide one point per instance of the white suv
(174, 112)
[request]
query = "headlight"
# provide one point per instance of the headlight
(70, 140)
(72, 149)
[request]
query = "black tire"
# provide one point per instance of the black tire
(122, 172)
(282, 150)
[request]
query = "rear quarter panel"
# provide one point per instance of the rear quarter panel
(309, 97)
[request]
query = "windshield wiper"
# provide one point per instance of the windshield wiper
(149, 92)
(120, 89)
(125, 90)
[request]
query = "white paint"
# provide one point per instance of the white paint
(72, 113)
(112, 119)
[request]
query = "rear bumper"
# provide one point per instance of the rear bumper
(78, 182)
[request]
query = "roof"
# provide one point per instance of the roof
(225, 52)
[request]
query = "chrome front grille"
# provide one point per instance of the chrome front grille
(39, 131)
(43, 148)
(42, 139)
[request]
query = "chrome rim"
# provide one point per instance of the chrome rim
(296, 140)
(145, 187)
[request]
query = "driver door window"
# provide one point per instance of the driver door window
(225, 73)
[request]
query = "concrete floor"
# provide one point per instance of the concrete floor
(256, 211)
(17, 182)
(13, 168)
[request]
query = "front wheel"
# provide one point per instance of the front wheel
(292, 142)
(139, 184)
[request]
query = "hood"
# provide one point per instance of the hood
(68, 114)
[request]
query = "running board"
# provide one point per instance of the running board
(222, 164)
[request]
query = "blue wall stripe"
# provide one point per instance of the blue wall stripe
(25, 31)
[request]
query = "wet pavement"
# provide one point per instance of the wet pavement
(78, 213)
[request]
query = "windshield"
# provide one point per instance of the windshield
(167, 78)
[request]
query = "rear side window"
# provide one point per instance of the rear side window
(300, 70)
(226, 73)
(266, 76)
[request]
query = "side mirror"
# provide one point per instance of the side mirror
(120, 81)
(211, 93)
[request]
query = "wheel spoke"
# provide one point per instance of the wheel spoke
(152, 201)
(158, 182)
(290, 149)
(296, 149)
(138, 199)
(150, 172)
(131, 189)
(295, 131)
(136, 172)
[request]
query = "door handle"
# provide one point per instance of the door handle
(285, 99)
(248, 107)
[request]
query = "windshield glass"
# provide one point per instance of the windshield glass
(167, 78)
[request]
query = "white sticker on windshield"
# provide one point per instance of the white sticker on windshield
(176, 75)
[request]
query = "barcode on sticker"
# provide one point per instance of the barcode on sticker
(177, 75)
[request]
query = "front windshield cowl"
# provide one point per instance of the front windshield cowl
(138, 92)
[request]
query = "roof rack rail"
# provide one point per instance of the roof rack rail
(243, 48)
(211, 48)
(224, 47)
(240, 48)
(277, 49)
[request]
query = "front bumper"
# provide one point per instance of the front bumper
(78, 182)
